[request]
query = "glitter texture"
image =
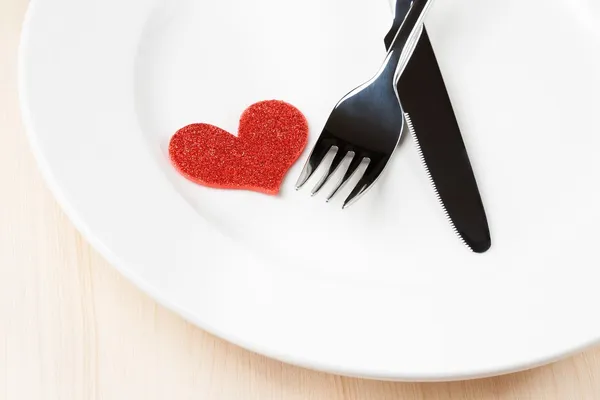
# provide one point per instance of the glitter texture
(271, 137)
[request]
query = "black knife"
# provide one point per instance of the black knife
(434, 127)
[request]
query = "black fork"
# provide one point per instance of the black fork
(367, 123)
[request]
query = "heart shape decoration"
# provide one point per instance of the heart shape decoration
(271, 137)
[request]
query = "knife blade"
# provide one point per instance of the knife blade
(432, 122)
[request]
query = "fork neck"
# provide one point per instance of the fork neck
(406, 38)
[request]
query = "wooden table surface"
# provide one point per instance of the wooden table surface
(72, 328)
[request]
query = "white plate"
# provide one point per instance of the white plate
(384, 289)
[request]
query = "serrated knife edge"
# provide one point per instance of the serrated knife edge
(413, 134)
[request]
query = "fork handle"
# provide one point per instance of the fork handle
(400, 11)
(407, 37)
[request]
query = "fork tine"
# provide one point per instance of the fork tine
(335, 163)
(354, 164)
(371, 174)
(317, 155)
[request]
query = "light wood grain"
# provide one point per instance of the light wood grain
(72, 328)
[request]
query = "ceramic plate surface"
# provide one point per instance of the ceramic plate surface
(381, 290)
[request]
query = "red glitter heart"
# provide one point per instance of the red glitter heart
(271, 136)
